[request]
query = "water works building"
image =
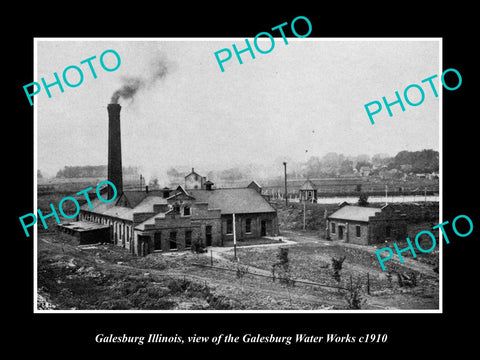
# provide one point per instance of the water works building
(164, 220)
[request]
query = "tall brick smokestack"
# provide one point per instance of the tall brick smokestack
(114, 150)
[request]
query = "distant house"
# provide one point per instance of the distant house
(254, 185)
(389, 174)
(366, 225)
(406, 167)
(365, 171)
(308, 191)
(194, 181)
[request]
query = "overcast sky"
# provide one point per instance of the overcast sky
(302, 99)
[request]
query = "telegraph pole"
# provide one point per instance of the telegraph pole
(285, 167)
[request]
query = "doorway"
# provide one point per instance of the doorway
(173, 240)
(340, 233)
(208, 235)
(263, 228)
(157, 241)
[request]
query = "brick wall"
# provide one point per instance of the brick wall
(349, 229)
(255, 225)
(389, 224)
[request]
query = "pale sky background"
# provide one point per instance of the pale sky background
(307, 95)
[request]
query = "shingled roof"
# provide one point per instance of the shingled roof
(354, 213)
(229, 201)
(234, 200)
(308, 185)
(109, 209)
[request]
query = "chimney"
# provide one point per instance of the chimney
(166, 192)
(114, 150)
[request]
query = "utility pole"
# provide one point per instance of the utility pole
(425, 194)
(386, 194)
(285, 167)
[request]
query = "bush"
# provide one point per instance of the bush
(362, 199)
(409, 280)
(282, 263)
(353, 295)
(337, 267)
(178, 286)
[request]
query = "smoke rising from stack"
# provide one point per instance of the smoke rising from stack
(133, 84)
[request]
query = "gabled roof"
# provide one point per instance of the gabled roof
(109, 209)
(182, 189)
(354, 213)
(179, 191)
(193, 172)
(229, 201)
(234, 200)
(133, 197)
(151, 220)
(253, 182)
(308, 185)
(146, 205)
(139, 200)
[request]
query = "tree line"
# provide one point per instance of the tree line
(91, 171)
(331, 164)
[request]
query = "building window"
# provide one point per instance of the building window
(248, 225)
(333, 228)
(229, 226)
(173, 240)
(188, 239)
(157, 241)
(359, 230)
(186, 211)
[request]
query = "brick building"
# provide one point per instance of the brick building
(163, 220)
(366, 225)
(194, 181)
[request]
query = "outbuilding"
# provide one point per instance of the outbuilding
(308, 191)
